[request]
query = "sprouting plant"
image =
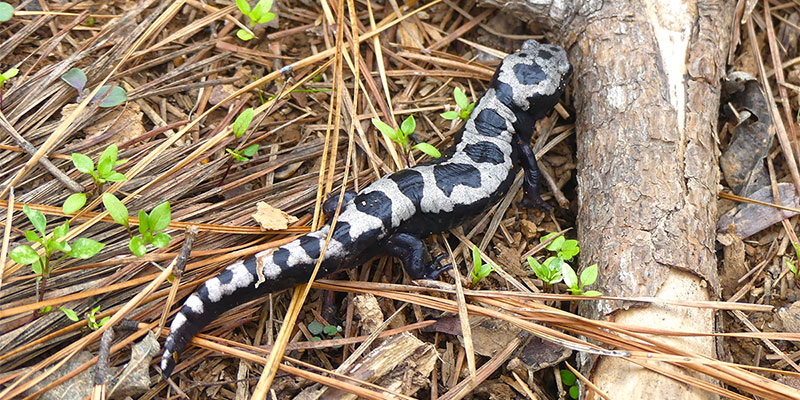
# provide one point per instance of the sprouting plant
(464, 106)
(479, 269)
(91, 320)
(588, 277)
(555, 268)
(150, 225)
(570, 380)
(401, 134)
(81, 248)
(549, 271)
(317, 329)
(258, 15)
(240, 126)
(93, 323)
(10, 73)
(790, 264)
(102, 174)
(6, 11)
(76, 78)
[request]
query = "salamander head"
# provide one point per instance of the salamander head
(532, 79)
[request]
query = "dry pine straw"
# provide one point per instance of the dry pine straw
(172, 55)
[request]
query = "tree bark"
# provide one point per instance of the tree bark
(646, 97)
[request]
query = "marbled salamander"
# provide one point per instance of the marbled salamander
(393, 214)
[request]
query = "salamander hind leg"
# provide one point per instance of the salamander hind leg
(415, 257)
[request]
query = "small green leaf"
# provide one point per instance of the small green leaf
(24, 255)
(60, 245)
(137, 246)
(476, 257)
(409, 125)
(82, 163)
(61, 230)
(107, 160)
(261, 10)
(556, 244)
(243, 6)
(385, 128)
(574, 392)
(160, 217)
(251, 150)
(567, 377)
(592, 293)
(315, 327)
(537, 268)
(570, 278)
(37, 267)
(569, 249)
(11, 72)
(461, 98)
(116, 177)
(243, 122)
(161, 240)
(450, 115)
(467, 111)
(236, 156)
(115, 98)
(70, 313)
(37, 219)
(94, 311)
(428, 149)
(789, 264)
(244, 35)
(45, 310)
(547, 237)
(116, 209)
(266, 18)
(104, 320)
(32, 236)
(84, 248)
(74, 203)
(589, 275)
(75, 78)
(147, 238)
(144, 223)
(6, 11)
(330, 330)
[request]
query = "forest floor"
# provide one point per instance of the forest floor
(190, 169)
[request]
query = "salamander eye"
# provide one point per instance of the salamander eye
(523, 55)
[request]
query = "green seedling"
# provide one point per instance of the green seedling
(791, 265)
(10, 73)
(6, 11)
(464, 107)
(151, 225)
(588, 277)
(549, 271)
(401, 134)
(555, 268)
(479, 269)
(108, 96)
(259, 14)
(104, 172)
(317, 329)
(240, 126)
(42, 265)
(92, 321)
(571, 382)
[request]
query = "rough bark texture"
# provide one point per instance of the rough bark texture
(646, 95)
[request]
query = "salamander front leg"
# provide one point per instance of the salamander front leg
(532, 196)
(415, 257)
(329, 206)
